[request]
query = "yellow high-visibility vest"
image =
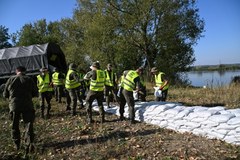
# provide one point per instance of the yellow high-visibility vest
(70, 84)
(98, 84)
(128, 82)
(158, 80)
(56, 80)
(43, 84)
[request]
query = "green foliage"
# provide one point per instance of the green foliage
(4, 37)
(159, 33)
(127, 34)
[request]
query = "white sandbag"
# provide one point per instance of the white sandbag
(234, 121)
(173, 111)
(180, 122)
(224, 112)
(232, 139)
(226, 126)
(199, 119)
(220, 131)
(199, 108)
(163, 124)
(192, 125)
(135, 95)
(199, 131)
(221, 118)
(202, 114)
(157, 92)
(182, 114)
(213, 135)
(217, 108)
(237, 129)
(172, 126)
(236, 112)
(209, 124)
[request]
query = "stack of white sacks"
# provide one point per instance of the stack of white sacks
(211, 122)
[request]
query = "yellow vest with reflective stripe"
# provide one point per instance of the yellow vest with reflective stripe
(159, 82)
(43, 84)
(108, 81)
(70, 84)
(98, 84)
(128, 82)
(56, 80)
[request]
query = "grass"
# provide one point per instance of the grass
(66, 137)
(228, 96)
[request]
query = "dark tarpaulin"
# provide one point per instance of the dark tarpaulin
(32, 57)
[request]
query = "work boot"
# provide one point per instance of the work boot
(121, 118)
(81, 106)
(48, 114)
(68, 108)
(17, 144)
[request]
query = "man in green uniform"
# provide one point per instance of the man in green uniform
(130, 83)
(97, 81)
(162, 82)
(20, 89)
(45, 90)
(72, 85)
(58, 79)
(110, 84)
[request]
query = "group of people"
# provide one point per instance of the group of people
(20, 89)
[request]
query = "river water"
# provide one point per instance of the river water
(211, 78)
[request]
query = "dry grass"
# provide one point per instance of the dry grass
(228, 96)
(66, 137)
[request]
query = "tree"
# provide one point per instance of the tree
(154, 33)
(4, 37)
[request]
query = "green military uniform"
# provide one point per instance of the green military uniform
(110, 84)
(161, 81)
(97, 81)
(129, 83)
(58, 79)
(72, 85)
(45, 90)
(20, 90)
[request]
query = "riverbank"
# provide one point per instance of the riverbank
(220, 67)
(227, 96)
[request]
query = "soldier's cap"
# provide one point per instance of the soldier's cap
(95, 64)
(154, 69)
(44, 69)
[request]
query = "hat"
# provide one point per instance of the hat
(44, 69)
(154, 69)
(72, 66)
(96, 64)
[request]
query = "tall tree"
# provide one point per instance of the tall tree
(159, 33)
(4, 37)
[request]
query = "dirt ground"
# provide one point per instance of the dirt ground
(66, 137)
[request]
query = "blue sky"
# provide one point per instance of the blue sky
(220, 44)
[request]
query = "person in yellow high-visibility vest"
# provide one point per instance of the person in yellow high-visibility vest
(162, 82)
(110, 85)
(130, 83)
(97, 82)
(72, 85)
(45, 89)
(58, 80)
